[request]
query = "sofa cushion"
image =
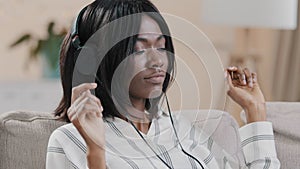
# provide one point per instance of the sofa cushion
(285, 117)
(24, 137)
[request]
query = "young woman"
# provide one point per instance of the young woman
(112, 130)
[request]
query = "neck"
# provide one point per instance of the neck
(142, 122)
(138, 103)
(142, 127)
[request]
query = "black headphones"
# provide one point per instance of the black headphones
(82, 76)
(75, 30)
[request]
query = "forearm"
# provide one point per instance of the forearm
(255, 112)
(96, 158)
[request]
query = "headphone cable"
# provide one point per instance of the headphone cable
(176, 135)
(171, 118)
(149, 145)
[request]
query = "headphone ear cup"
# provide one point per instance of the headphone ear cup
(87, 61)
(76, 54)
(76, 42)
(85, 66)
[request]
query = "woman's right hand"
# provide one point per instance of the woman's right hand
(244, 90)
(85, 113)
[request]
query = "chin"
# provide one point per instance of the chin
(155, 93)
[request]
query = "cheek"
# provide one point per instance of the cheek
(139, 63)
(134, 67)
(137, 86)
(165, 60)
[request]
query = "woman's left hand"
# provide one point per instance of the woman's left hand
(244, 89)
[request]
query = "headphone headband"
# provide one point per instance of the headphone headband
(75, 29)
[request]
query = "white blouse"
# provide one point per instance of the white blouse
(127, 150)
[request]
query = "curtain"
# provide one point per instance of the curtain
(286, 80)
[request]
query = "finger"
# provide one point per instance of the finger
(254, 77)
(232, 68)
(71, 113)
(229, 80)
(78, 90)
(96, 99)
(232, 74)
(230, 90)
(79, 99)
(90, 98)
(248, 77)
(74, 108)
(75, 105)
(241, 76)
(88, 107)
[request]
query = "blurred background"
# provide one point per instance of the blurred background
(262, 35)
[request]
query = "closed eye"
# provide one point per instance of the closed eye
(139, 52)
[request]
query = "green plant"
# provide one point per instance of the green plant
(47, 47)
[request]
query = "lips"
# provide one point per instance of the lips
(156, 78)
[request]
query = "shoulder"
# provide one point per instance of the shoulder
(209, 118)
(67, 140)
(198, 115)
(217, 129)
(64, 130)
(210, 123)
(65, 135)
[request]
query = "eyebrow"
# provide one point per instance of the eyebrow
(145, 40)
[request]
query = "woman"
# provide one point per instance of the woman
(112, 130)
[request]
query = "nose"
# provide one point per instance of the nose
(155, 59)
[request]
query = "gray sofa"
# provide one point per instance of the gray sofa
(24, 137)
(24, 134)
